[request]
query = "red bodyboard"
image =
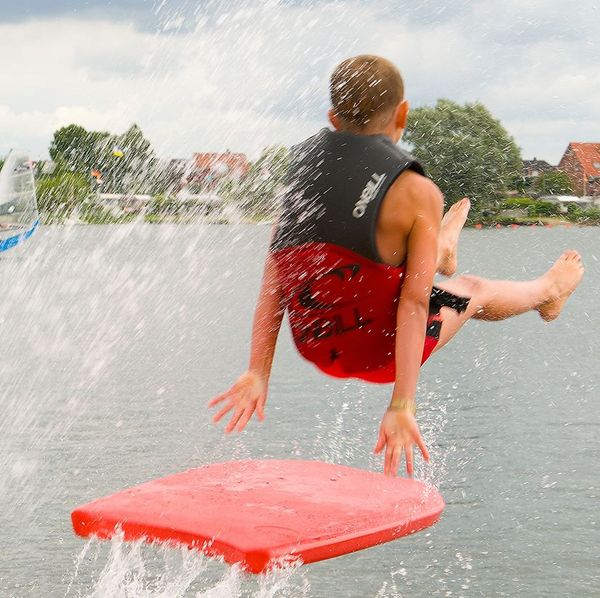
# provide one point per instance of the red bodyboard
(256, 513)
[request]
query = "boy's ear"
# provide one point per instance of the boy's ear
(334, 120)
(402, 114)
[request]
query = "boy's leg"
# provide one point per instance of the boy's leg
(452, 223)
(500, 299)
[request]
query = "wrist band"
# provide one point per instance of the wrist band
(404, 405)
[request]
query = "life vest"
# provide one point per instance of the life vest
(340, 297)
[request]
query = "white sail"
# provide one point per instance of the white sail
(18, 206)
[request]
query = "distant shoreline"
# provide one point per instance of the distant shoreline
(529, 222)
(477, 225)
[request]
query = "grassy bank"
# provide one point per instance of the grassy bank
(527, 211)
(515, 211)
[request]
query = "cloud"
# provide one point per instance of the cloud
(242, 75)
(156, 16)
(142, 12)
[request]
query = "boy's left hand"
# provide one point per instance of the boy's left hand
(398, 433)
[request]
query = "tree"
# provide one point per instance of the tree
(257, 192)
(75, 149)
(554, 182)
(123, 160)
(60, 194)
(465, 150)
(128, 161)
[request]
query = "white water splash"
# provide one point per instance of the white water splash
(136, 570)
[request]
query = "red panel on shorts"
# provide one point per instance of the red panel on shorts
(256, 512)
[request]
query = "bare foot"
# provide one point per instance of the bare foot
(564, 276)
(452, 223)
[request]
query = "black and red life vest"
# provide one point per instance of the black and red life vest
(340, 297)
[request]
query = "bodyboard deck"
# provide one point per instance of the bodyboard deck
(258, 513)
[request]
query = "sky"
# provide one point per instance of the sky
(216, 75)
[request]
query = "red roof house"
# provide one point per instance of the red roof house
(210, 167)
(581, 161)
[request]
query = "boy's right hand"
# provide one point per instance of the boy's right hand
(398, 433)
(247, 395)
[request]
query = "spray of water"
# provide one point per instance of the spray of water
(71, 364)
(135, 570)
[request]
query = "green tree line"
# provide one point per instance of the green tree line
(86, 163)
(466, 151)
(463, 148)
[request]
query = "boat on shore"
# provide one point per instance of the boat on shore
(19, 215)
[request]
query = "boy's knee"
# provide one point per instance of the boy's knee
(473, 285)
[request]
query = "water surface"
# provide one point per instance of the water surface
(115, 338)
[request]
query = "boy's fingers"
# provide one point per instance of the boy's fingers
(396, 455)
(245, 418)
(387, 460)
(409, 459)
(218, 399)
(380, 443)
(221, 413)
(422, 447)
(234, 420)
(260, 410)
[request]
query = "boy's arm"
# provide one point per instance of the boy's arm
(399, 430)
(413, 307)
(267, 322)
(249, 393)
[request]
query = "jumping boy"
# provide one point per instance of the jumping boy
(353, 256)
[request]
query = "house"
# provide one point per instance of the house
(533, 168)
(123, 203)
(174, 173)
(581, 162)
(210, 168)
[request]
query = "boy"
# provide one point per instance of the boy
(353, 256)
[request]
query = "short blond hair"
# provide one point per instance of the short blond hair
(364, 89)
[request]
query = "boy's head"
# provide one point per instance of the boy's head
(367, 96)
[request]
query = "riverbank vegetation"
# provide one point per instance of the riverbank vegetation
(102, 177)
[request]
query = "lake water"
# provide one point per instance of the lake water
(115, 338)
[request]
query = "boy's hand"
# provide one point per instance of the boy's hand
(247, 395)
(398, 433)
